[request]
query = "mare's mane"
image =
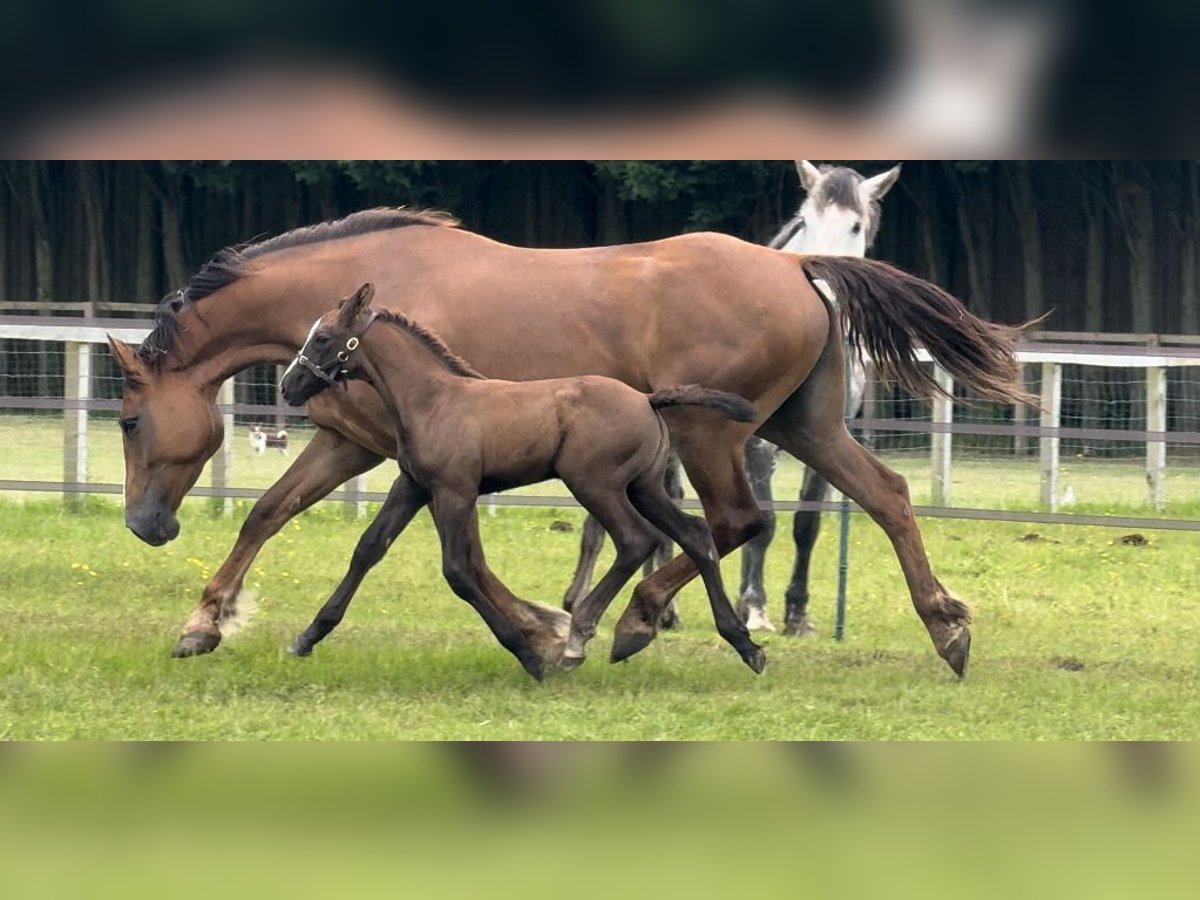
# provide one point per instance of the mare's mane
(230, 264)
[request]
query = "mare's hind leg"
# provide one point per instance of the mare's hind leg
(327, 461)
(810, 426)
(714, 460)
(404, 500)
(457, 525)
(805, 528)
(752, 597)
(590, 545)
(634, 540)
(692, 534)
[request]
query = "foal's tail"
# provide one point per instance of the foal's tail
(732, 406)
(887, 312)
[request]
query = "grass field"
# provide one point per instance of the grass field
(1076, 636)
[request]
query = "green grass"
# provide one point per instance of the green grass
(91, 614)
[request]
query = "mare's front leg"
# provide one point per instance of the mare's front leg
(752, 599)
(404, 500)
(328, 461)
(457, 525)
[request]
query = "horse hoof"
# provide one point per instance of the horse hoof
(300, 647)
(957, 652)
(196, 643)
(627, 644)
(799, 627)
(571, 663)
(756, 659)
(756, 620)
(669, 620)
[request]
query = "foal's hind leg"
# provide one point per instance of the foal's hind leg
(805, 527)
(752, 598)
(692, 534)
(712, 455)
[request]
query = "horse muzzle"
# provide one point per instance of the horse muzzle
(156, 527)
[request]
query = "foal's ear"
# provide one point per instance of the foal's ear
(809, 174)
(353, 305)
(127, 359)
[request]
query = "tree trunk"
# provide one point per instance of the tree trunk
(974, 230)
(1137, 217)
(146, 287)
(1020, 187)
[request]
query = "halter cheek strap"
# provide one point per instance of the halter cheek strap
(336, 371)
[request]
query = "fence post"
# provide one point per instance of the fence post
(942, 442)
(222, 464)
(1048, 446)
(1021, 416)
(355, 506)
(77, 389)
(1156, 420)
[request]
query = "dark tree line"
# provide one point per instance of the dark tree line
(1104, 246)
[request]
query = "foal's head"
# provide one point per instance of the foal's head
(840, 212)
(326, 358)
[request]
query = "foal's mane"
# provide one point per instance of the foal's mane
(228, 265)
(436, 345)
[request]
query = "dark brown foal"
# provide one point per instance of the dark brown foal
(461, 435)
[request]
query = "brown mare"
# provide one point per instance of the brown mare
(462, 435)
(701, 308)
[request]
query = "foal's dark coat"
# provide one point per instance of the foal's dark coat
(462, 434)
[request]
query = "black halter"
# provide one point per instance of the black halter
(335, 372)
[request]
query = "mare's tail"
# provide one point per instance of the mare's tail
(732, 406)
(887, 312)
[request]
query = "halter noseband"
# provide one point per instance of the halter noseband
(335, 372)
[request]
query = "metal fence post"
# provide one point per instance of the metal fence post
(1048, 446)
(942, 442)
(77, 390)
(1156, 420)
(222, 464)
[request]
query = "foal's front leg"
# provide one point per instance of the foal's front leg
(457, 525)
(404, 500)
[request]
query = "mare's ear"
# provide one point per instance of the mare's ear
(875, 187)
(809, 174)
(127, 359)
(353, 305)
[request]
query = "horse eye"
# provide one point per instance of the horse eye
(320, 340)
(857, 228)
(128, 425)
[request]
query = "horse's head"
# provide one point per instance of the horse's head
(326, 359)
(840, 212)
(171, 427)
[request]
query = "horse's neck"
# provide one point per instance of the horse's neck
(407, 374)
(235, 328)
